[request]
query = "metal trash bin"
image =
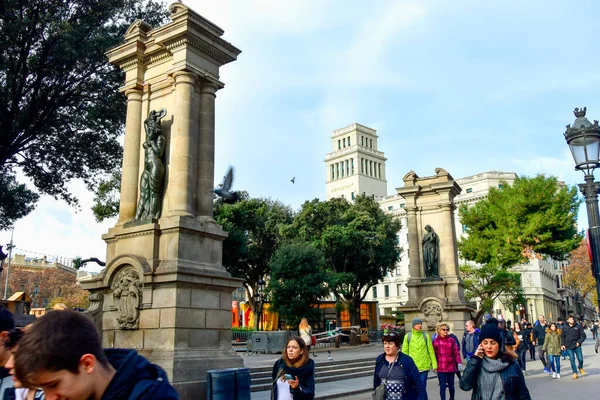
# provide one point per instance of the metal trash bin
(220, 384)
(277, 340)
(228, 383)
(259, 341)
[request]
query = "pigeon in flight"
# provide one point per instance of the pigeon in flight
(329, 356)
(224, 189)
(293, 180)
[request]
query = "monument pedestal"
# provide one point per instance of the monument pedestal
(429, 208)
(164, 290)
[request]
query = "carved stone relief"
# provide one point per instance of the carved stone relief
(127, 296)
(433, 314)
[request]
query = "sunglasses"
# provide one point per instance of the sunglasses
(444, 329)
(390, 334)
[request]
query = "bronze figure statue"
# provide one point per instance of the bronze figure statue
(431, 251)
(153, 177)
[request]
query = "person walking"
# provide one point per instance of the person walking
(294, 373)
(492, 374)
(539, 336)
(523, 340)
(528, 328)
(417, 345)
(306, 334)
(448, 359)
(398, 372)
(572, 338)
(470, 340)
(551, 348)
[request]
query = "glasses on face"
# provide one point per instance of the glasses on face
(444, 329)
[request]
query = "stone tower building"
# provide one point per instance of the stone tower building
(355, 166)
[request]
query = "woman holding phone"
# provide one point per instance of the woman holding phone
(294, 373)
(493, 374)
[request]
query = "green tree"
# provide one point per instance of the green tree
(488, 284)
(297, 282)
(359, 241)
(533, 218)
(254, 226)
(16, 201)
(106, 200)
(60, 108)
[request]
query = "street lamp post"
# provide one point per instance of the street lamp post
(258, 301)
(583, 139)
(531, 318)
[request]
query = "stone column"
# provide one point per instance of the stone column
(183, 147)
(448, 262)
(131, 156)
(414, 254)
(206, 149)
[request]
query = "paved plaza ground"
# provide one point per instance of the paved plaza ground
(539, 384)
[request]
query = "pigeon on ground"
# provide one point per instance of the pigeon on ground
(329, 356)
(293, 180)
(224, 189)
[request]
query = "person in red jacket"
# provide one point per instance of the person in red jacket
(448, 359)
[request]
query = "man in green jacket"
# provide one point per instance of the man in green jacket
(417, 345)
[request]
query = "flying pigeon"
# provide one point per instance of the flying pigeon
(224, 189)
(293, 180)
(329, 356)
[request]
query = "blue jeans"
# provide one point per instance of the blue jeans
(554, 363)
(423, 376)
(446, 380)
(576, 352)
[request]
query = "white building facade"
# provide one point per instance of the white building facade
(540, 278)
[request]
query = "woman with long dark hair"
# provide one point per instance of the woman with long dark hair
(523, 346)
(294, 373)
(493, 374)
(397, 371)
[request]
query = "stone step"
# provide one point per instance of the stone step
(320, 365)
(262, 380)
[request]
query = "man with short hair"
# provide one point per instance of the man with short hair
(539, 336)
(470, 340)
(417, 345)
(7, 324)
(62, 354)
(572, 338)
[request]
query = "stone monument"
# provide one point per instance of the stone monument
(435, 291)
(164, 290)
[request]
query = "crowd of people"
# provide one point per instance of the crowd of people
(491, 361)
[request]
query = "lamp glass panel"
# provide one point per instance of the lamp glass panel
(577, 146)
(593, 149)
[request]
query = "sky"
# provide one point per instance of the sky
(469, 86)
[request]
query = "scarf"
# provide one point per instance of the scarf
(489, 381)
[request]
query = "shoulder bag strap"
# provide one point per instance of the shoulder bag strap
(390, 371)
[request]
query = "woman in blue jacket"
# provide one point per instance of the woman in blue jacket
(403, 381)
(487, 365)
(294, 373)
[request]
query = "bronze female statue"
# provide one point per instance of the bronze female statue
(431, 251)
(153, 176)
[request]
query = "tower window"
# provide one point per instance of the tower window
(352, 195)
(348, 141)
(339, 144)
(362, 165)
(342, 168)
(374, 292)
(390, 208)
(344, 142)
(332, 172)
(371, 143)
(371, 168)
(337, 170)
(379, 167)
(402, 205)
(362, 140)
(470, 190)
(386, 291)
(347, 168)
(352, 165)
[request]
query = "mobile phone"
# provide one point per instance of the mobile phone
(288, 377)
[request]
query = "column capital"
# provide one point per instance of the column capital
(208, 87)
(134, 94)
(185, 77)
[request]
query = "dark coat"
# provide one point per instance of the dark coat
(512, 380)
(306, 379)
(539, 334)
(571, 335)
(475, 343)
(136, 378)
(414, 388)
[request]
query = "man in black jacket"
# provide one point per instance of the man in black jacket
(62, 354)
(539, 335)
(572, 338)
